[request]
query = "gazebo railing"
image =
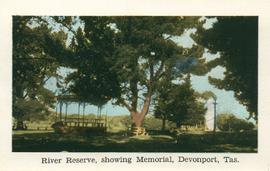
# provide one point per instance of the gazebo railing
(83, 122)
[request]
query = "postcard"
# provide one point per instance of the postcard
(134, 85)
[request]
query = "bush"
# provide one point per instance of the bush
(229, 122)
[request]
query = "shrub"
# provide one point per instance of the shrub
(229, 122)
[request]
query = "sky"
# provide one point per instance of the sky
(225, 99)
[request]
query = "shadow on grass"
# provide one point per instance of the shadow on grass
(115, 142)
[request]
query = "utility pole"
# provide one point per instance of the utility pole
(215, 114)
(79, 105)
(66, 111)
(56, 111)
(83, 113)
(60, 112)
(106, 117)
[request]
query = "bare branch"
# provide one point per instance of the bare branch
(44, 82)
(26, 94)
(62, 23)
(124, 103)
(170, 36)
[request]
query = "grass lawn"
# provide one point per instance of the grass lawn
(48, 141)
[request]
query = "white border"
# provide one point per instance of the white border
(32, 161)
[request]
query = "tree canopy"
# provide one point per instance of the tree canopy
(92, 51)
(131, 61)
(32, 67)
(236, 38)
(229, 122)
(180, 104)
(124, 58)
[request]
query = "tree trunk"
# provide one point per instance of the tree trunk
(137, 119)
(163, 124)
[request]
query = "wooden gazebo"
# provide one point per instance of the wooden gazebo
(78, 124)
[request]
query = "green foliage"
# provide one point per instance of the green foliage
(124, 58)
(229, 122)
(207, 95)
(92, 48)
(180, 104)
(236, 38)
(37, 54)
(129, 60)
(119, 123)
(29, 110)
(32, 67)
(153, 123)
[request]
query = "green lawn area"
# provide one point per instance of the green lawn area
(48, 141)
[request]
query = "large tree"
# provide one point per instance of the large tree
(180, 104)
(33, 65)
(92, 51)
(236, 39)
(125, 58)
